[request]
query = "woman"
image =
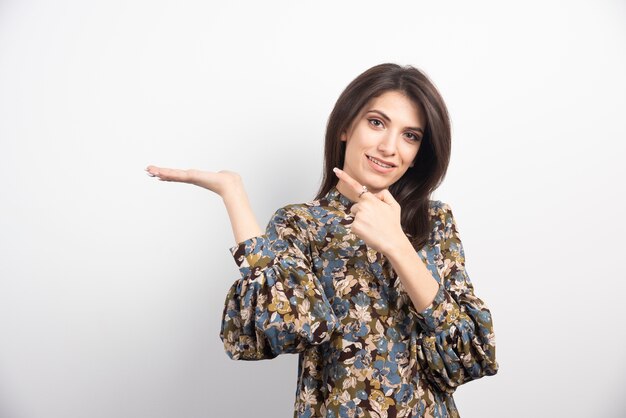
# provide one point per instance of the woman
(367, 282)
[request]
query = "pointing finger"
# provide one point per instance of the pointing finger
(355, 185)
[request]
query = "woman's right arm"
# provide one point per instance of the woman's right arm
(278, 304)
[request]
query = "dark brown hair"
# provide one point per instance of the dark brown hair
(414, 188)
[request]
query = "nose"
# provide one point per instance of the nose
(387, 145)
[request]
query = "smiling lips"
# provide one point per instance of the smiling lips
(376, 165)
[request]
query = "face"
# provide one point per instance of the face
(388, 129)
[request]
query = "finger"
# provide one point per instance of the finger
(170, 174)
(151, 170)
(173, 174)
(386, 196)
(358, 187)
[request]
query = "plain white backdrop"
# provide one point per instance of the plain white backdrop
(112, 283)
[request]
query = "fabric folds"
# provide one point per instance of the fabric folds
(455, 341)
(278, 305)
(308, 285)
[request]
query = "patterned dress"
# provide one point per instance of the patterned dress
(310, 286)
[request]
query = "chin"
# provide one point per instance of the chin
(378, 185)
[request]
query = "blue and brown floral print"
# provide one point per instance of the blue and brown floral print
(310, 286)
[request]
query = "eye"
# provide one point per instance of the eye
(413, 136)
(375, 120)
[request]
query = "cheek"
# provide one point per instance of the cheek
(409, 154)
(349, 149)
(356, 146)
(352, 154)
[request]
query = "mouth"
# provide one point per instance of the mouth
(379, 162)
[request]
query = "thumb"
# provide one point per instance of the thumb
(386, 196)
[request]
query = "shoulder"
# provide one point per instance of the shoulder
(442, 223)
(290, 228)
(313, 213)
(292, 220)
(439, 209)
(293, 213)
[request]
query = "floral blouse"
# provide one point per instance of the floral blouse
(310, 286)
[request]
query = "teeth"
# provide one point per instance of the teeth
(379, 163)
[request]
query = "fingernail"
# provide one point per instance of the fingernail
(336, 170)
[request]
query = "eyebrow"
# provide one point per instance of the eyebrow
(418, 129)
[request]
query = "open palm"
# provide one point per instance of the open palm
(219, 182)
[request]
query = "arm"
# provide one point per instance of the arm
(242, 218)
(455, 333)
(455, 338)
(416, 279)
(278, 305)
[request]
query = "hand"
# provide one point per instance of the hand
(376, 217)
(221, 182)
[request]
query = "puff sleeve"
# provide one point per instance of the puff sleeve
(455, 342)
(278, 304)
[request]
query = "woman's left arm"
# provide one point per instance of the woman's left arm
(456, 341)
(455, 336)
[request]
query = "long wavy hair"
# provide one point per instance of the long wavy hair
(413, 190)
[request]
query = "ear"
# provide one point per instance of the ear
(342, 137)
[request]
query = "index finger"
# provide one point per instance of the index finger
(358, 187)
(355, 185)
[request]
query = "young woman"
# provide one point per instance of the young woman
(367, 282)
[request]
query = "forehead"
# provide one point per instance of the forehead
(399, 107)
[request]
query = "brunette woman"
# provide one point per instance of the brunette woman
(367, 280)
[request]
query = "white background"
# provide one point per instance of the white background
(112, 283)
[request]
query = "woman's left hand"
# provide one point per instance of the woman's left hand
(376, 217)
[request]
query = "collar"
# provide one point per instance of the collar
(337, 199)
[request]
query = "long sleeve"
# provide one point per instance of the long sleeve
(456, 342)
(278, 304)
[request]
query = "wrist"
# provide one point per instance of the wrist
(397, 247)
(234, 193)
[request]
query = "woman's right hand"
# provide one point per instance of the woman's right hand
(228, 185)
(221, 182)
